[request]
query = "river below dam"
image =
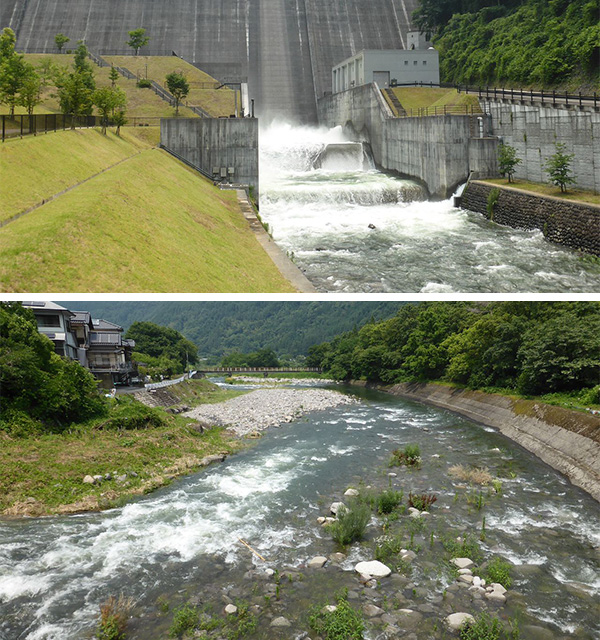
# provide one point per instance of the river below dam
(181, 544)
(353, 229)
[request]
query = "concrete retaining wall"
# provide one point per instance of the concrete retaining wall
(439, 151)
(568, 441)
(210, 143)
(571, 224)
(534, 130)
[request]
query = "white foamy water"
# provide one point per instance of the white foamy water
(353, 229)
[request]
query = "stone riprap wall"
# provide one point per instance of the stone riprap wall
(209, 143)
(572, 224)
(568, 441)
(439, 151)
(534, 130)
(286, 48)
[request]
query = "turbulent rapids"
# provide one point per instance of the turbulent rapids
(182, 542)
(351, 228)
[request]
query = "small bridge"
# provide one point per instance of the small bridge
(264, 370)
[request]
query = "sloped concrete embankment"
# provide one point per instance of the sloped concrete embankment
(569, 441)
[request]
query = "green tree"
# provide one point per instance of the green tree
(158, 341)
(13, 73)
(179, 87)
(108, 100)
(137, 39)
(113, 76)
(61, 40)
(119, 120)
(507, 161)
(7, 43)
(558, 167)
(83, 66)
(39, 387)
(74, 95)
(30, 92)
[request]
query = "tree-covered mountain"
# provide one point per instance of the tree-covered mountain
(217, 328)
(539, 43)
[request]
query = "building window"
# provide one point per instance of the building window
(406, 62)
(48, 321)
(415, 62)
(424, 61)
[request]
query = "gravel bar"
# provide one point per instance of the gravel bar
(264, 408)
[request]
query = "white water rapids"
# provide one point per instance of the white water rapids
(353, 229)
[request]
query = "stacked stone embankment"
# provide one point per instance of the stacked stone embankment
(264, 408)
(571, 224)
(568, 441)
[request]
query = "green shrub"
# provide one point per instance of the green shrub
(19, 424)
(492, 201)
(144, 83)
(351, 523)
(185, 618)
(422, 501)
(591, 396)
(409, 456)
(487, 627)
(388, 500)
(498, 570)
(342, 624)
(245, 622)
(466, 547)
(128, 413)
(113, 618)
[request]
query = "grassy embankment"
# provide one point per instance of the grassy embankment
(548, 190)
(44, 474)
(147, 224)
(414, 98)
(143, 103)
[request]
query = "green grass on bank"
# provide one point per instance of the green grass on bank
(218, 102)
(148, 224)
(44, 474)
(414, 98)
(37, 167)
(140, 102)
(577, 195)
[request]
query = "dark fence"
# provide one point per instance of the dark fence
(21, 125)
(105, 52)
(445, 110)
(552, 97)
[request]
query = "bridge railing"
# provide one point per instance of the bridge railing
(260, 370)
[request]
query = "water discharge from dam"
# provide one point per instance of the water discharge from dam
(182, 541)
(351, 228)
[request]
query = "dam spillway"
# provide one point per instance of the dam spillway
(284, 48)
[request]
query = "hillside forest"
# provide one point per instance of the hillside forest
(531, 348)
(528, 43)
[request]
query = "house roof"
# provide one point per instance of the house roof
(81, 317)
(105, 325)
(46, 305)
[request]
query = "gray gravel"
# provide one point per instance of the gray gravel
(264, 408)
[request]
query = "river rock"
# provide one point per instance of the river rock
(352, 492)
(215, 457)
(374, 568)
(281, 622)
(465, 572)
(336, 506)
(230, 609)
(337, 557)
(455, 621)
(372, 610)
(317, 562)
(89, 480)
(467, 578)
(462, 563)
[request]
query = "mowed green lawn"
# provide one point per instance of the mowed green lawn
(418, 97)
(37, 167)
(149, 224)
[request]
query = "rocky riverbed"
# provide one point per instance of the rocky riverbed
(265, 408)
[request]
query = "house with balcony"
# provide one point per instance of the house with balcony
(54, 322)
(110, 355)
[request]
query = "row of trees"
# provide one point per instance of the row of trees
(137, 40)
(558, 165)
(261, 358)
(532, 347)
(21, 84)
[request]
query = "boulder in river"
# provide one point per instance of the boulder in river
(317, 562)
(455, 621)
(374, 568)
(462, 563)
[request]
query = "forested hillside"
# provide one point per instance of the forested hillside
(217, 328)
(539, 43)
(530, 347)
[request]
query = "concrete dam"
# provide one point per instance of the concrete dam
(285, 49)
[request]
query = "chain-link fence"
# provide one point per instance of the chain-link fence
(22, 125)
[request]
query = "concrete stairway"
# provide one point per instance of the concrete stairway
(399, 109)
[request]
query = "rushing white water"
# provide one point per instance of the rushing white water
(54, 572)
(351, 228)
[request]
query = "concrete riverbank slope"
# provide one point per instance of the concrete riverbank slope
(572, 224)
(569, 441)
(285, 48)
